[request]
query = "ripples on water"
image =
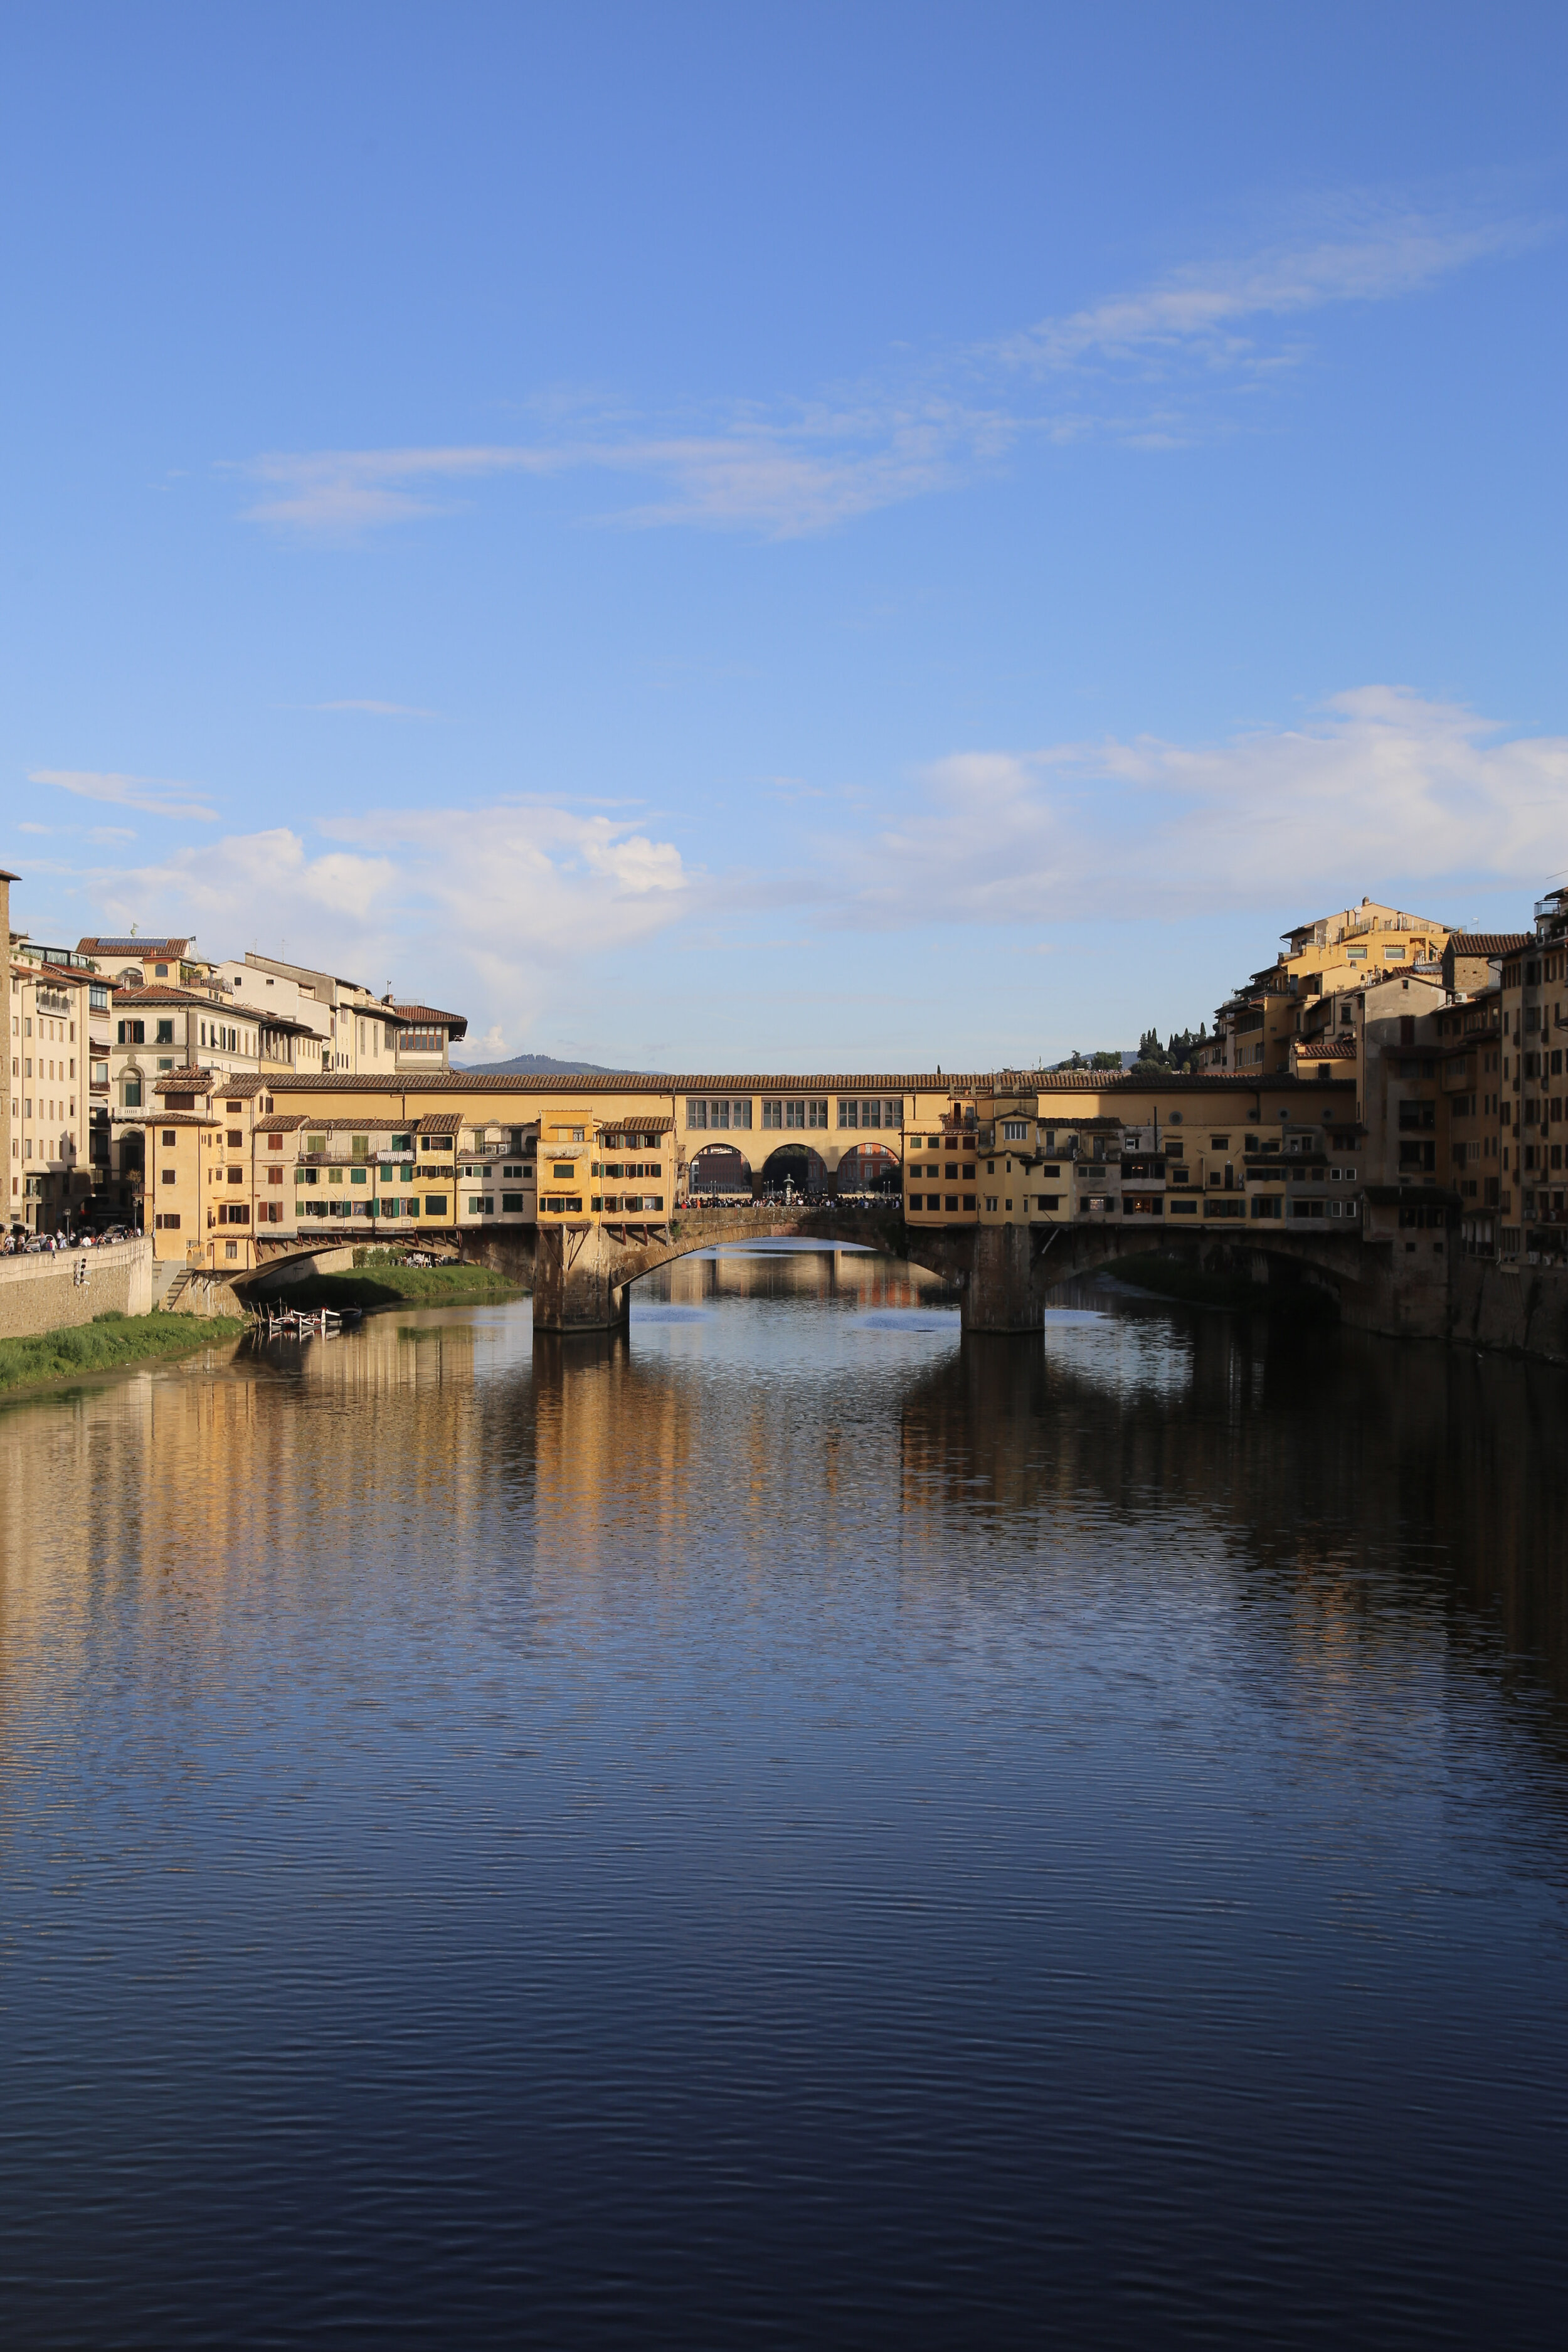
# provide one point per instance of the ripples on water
(784, 1827)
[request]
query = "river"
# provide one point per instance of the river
(787, 1827)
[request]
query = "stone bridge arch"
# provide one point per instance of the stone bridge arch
(582, 1277)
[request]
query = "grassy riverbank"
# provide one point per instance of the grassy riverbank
(1182, 1278)
(108, 1342)
(378, 1281)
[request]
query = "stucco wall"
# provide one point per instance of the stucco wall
(46, 1294)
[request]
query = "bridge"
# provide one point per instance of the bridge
(582, 1280)
(1042, 1175)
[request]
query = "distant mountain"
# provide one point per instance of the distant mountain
(543, 1066)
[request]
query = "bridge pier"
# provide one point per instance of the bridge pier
(1000, 1293)
(582, 1281)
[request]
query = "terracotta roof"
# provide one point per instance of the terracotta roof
(1489, 943)
(172, 1119)
(285, 1122)
(1327, 1049)
(135, 951)
(58, 972)
(440, 1122)
(162, 992)
(635, 1124)
(946, 1088)
(428, 1016)
(364, 1126)
(184, 1080)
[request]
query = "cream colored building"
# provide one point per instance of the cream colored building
(49, 1171)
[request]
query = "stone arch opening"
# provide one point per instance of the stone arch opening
(869, 1168)
(718, 1172)
(794, 1169)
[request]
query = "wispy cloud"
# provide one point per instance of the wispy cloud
(377, 709)
(1146, 366)
(152, 795)
(1214, 313)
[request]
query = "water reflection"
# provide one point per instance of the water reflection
(784, 1822)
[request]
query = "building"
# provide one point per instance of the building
(1255, 1028)
(1533, 1028)
(424, 1036)
(11, 1096)
(50, 1170)
(351, 1032)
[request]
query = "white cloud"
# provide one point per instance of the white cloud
(1145, 367)
(153, 795)
(1385, 785)
(25, 827)
(486, 908)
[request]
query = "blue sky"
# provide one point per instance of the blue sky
(813, 537)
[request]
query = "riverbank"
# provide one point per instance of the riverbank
(106, 1344)
(378, 1282)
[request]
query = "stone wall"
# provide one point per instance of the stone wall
(46, 1293)
(1519, 1306)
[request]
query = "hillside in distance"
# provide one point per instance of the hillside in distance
(543, 1066)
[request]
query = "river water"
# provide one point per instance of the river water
(787, 1827)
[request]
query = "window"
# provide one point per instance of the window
(132, 1033)
(511, 1204)
(165, 1034)
(1219, 1143)
(168, 1139)
(794, 1114)
(168, 1221)
(166, 1175)
(773, 1114)
(434, 1204)
(1015, 1130)
(359, 1176)
(132, 1094)
(97, 998)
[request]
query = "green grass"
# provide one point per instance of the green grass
(1183, 1278)
(107, 1343)
(382, 1282)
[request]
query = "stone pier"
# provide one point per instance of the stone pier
(1000, 1292)
(583, 1279)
